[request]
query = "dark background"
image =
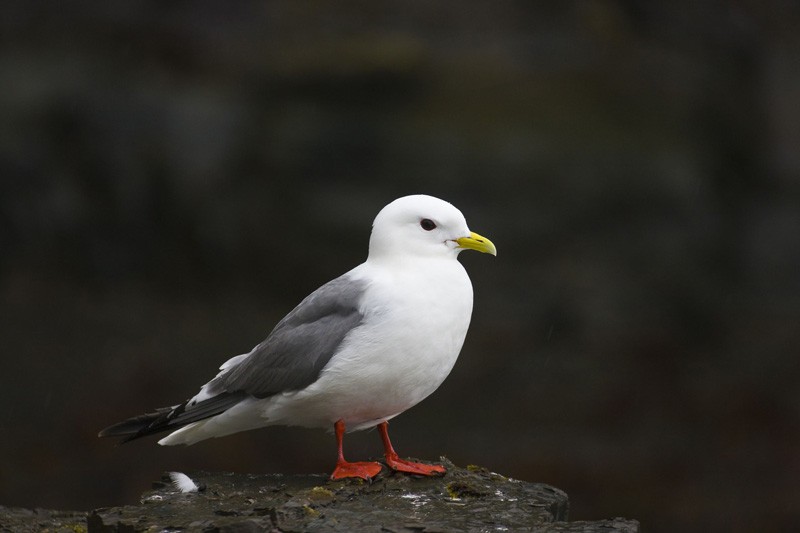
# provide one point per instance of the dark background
(176, 176)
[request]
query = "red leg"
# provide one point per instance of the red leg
(364, 470)
(401, 465)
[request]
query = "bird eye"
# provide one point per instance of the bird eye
(427, 224)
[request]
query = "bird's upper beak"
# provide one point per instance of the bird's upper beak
(476, 242)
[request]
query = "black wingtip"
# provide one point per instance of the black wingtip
(132, 428)
(171, 418)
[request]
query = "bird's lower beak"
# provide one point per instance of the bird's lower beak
(476, 242)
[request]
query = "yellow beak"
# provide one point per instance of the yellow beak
(476, 242)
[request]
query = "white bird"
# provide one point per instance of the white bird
(355, 353)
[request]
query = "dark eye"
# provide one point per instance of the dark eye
(427, 224)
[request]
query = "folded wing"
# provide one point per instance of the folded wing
(290, 358)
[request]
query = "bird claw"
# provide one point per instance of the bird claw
(364, 470)
(410, 467)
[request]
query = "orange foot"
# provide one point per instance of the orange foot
(364, 470)
(401, 465)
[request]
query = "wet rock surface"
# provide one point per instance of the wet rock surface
(465, 499)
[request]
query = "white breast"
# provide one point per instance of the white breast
(415, 322)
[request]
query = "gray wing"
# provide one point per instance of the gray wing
(300, 346)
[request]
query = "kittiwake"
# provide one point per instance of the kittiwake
(356, 352)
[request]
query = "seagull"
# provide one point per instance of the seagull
(355, 353)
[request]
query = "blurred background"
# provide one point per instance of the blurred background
(176, 176)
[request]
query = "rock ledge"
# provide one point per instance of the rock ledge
(465, 499)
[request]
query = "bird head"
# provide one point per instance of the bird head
(423, 226)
